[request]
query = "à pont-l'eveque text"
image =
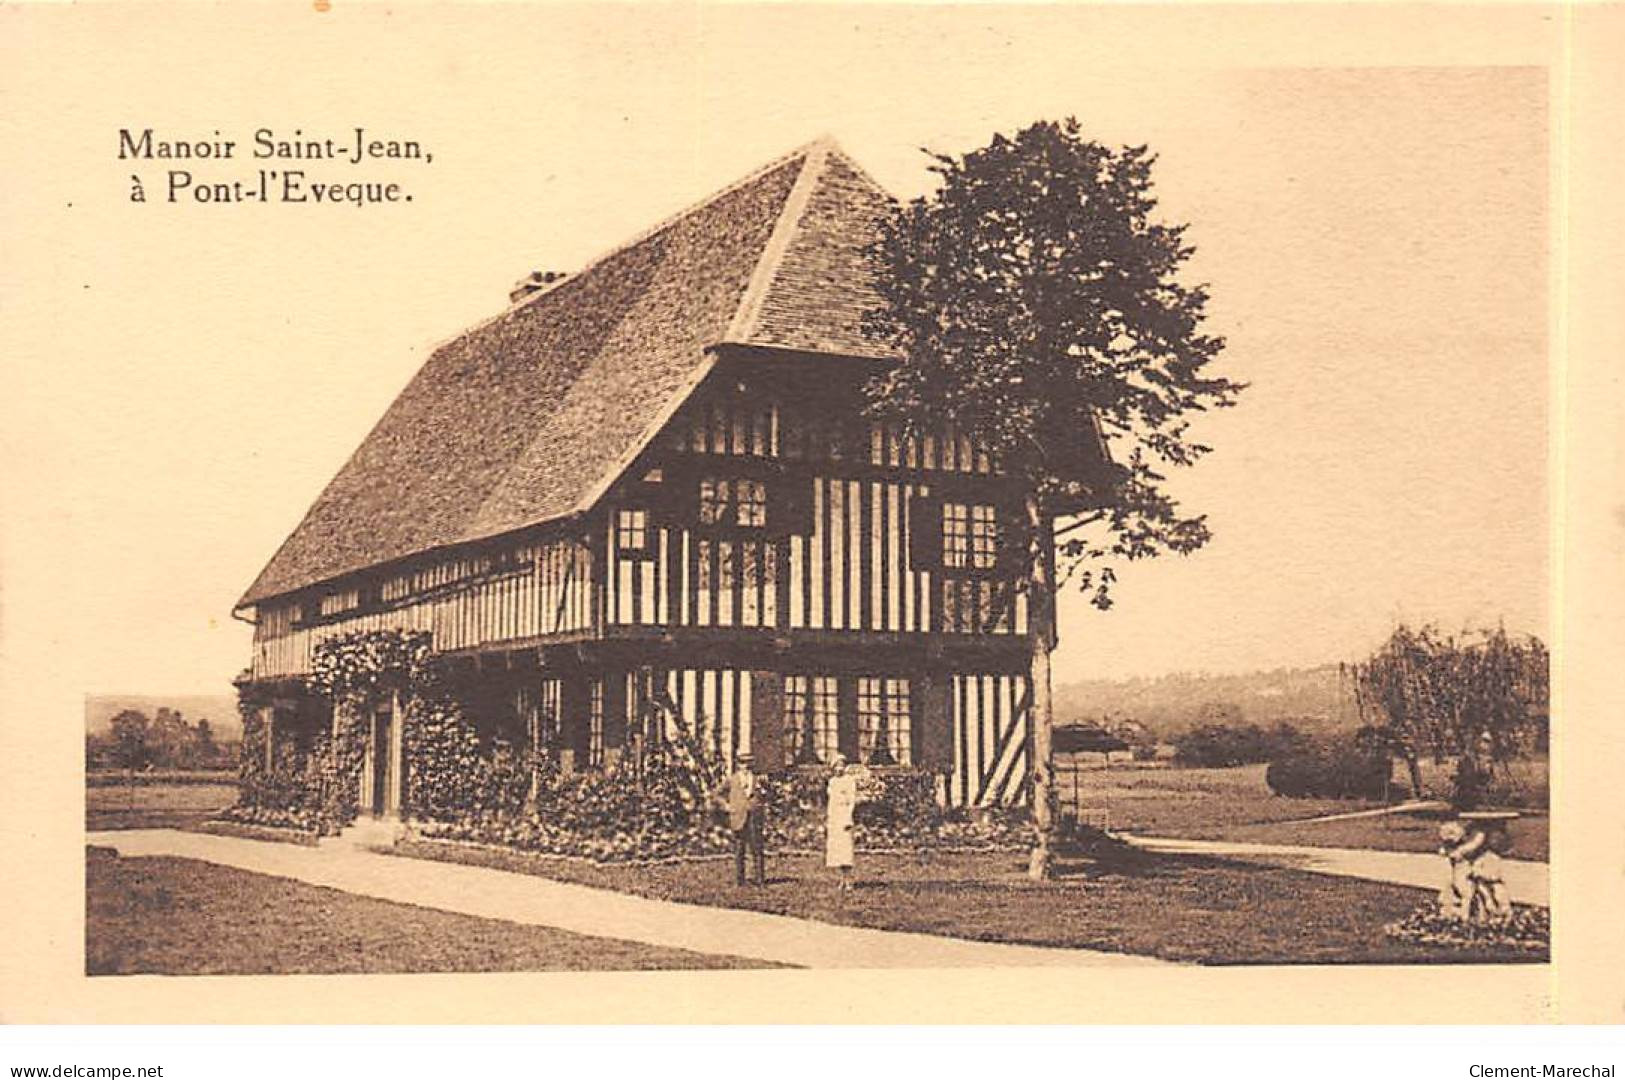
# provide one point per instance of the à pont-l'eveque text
(201, 168)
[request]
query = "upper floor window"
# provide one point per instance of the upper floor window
(632, 531)
(811, 719)
(883, 721)
(741, 502)
(336, 603)
(970, 536)
(595, 724)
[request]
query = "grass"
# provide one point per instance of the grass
(1530, 834)
(182, 917)
(1524, 783)
(1175, 801)
(1207, 911)
(156, 806)
(1236, 804)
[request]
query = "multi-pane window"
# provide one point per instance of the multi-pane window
(632, 531)
(595, 725)
(811, 719)
(883, 721)
(741, 502)
(750, 503)
(970, 536)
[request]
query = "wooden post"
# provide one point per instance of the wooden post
(369, 761)
(268, 721)
(397, 755)
(533, 743)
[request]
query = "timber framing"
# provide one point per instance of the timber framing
(647, 499)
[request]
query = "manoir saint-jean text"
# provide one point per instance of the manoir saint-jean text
(200, 180)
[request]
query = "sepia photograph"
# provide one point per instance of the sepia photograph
(941, 489)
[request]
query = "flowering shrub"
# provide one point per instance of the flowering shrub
(296, 819)
(369, 665)
(636, 810)
(999, 828)
(1528, 928)
(442, 753)
(321, 782)
(661, 806)
(657, 804)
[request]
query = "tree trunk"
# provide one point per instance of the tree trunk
(1415, 766)
(1041, 639)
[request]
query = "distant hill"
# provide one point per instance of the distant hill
(1312, 699)
(220, 710)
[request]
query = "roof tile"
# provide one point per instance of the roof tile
(524, 418)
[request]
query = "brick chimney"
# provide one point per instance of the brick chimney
(535, 281)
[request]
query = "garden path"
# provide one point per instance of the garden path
(1527, 881)
(522, 898)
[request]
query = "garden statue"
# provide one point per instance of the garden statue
(1476, 890)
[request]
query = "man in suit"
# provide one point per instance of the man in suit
(743, 796)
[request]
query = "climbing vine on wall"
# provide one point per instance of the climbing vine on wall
(369, 665)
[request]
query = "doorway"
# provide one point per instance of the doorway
(378, 797)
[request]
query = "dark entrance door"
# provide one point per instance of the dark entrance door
(382, 722)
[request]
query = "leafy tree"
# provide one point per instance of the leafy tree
(1483, 702)
(130, 731)
(1039, 308)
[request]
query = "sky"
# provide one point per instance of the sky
(1369, 209)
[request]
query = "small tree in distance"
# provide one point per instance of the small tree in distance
(1039, 308)
(130, 730)
(1482, 702)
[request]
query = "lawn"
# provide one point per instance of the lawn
(1391, 832)
(1236, 804)
(156, 805)
(1175, 801)
(182, 917)
(1199, 910)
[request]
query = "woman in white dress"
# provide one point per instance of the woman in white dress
(842, 802)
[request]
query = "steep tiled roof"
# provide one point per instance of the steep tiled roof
(816, 298)
(530, 416)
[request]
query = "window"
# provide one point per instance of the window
(740, 502)
(970, 536)
(883, 721)
(750, 502)
(595, 725)
(336, 603)
(811, 719)
(632, 532)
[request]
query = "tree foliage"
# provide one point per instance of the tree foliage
(1039, 305)
(130, 729)
(1482, 700)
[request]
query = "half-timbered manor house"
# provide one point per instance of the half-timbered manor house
(647, 491)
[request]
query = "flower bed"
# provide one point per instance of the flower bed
(533, 834)
(1527, 928)
(259, 823)
(610, 817)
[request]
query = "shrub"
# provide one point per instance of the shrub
(1336, 768)
(443, 759)
(1224, 745)
(660, 807)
